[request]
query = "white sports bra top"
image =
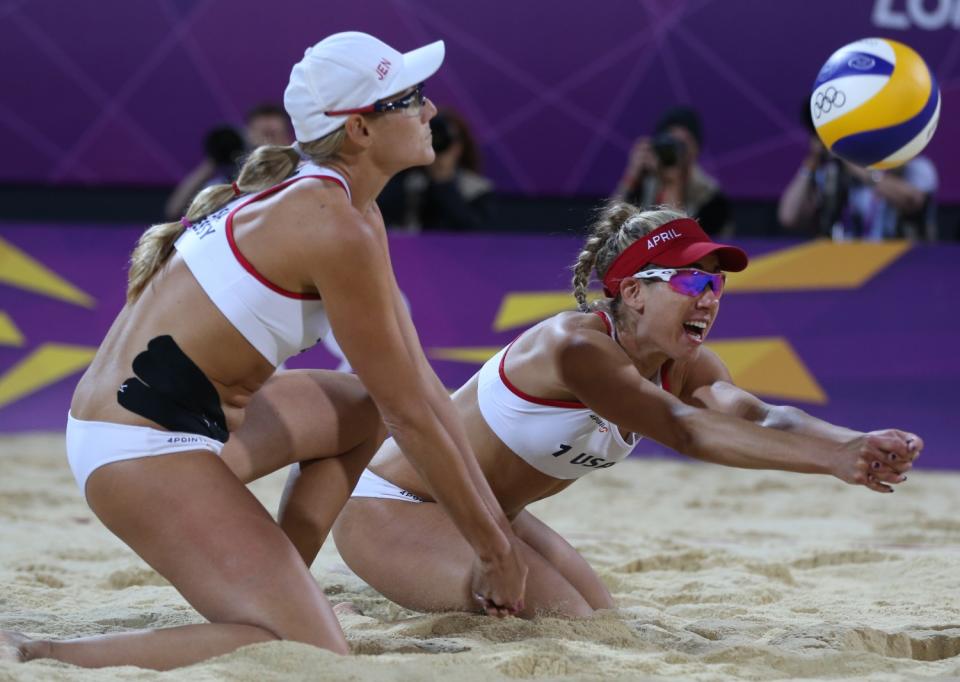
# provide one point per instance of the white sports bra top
(560, 438)
(277, 322)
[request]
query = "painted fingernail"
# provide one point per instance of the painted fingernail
(903, 478)
(893, 457)
(875, 465)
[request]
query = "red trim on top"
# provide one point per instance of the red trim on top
(247, 265)
(606, 322)
(572, 404)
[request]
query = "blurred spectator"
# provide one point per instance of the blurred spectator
(450, 193)
(663, 170)
(223, 147)
(830, 197)
(267, 124)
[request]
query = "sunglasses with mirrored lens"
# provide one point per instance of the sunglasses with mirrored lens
(687, 281)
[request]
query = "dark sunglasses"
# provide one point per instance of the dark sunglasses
(409, 100)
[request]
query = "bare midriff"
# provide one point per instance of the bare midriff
(172, 304)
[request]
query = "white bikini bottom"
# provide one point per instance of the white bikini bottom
(371, 485)
(90, 445)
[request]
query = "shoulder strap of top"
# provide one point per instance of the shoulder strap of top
(607, 322)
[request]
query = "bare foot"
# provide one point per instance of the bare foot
(347, 608)
(12, 646)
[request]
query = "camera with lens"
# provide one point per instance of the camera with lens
(444, 133)
(668, 149)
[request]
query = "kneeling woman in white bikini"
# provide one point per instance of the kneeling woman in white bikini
(573, 395)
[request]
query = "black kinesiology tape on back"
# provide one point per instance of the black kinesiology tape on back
(172, 391)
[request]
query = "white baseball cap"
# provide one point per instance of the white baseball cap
(349, 71)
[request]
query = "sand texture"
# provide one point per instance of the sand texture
(719, 574)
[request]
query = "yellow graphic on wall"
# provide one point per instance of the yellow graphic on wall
(478, 355)
(48, 363)
(523, 308)
(770, 367)
(9, 334)
(20, 270)
(820, 264)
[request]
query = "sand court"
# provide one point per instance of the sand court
(718, 574)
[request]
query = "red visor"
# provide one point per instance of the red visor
(675, 244)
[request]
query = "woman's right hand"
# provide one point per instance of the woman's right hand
(877, 459)
(498, 583)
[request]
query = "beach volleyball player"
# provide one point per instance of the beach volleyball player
(255, 273)
(573, 395)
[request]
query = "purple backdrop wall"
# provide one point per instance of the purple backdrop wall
(115, 91)
(882, 349)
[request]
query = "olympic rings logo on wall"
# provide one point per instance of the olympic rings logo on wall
(825, 101)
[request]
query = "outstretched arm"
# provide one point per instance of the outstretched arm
(708, 384)
(730, 433)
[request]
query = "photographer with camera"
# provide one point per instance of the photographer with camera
(830, 197)
(450, 193)
(663, 171)
(223, 149)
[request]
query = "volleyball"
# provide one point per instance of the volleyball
(875, 103)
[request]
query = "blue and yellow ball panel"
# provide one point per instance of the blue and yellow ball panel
(873, 147)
